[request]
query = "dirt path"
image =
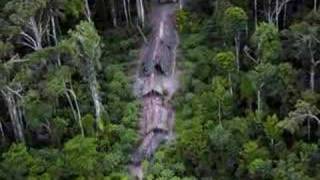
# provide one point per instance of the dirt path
(156, 83)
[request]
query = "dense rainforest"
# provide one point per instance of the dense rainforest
(247, 104)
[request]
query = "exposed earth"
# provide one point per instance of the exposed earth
(156, 83)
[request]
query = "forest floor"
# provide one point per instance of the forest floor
(156, 83)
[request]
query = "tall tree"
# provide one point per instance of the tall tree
(86, 44)
(305, 45)
(11, 92)
(58, 9)
(274, 10)
(140, 10)
(28, 19)
(236, 23)
(263, 77)
(266, 41)
(222, 96)
(226, 61)
(304, 111)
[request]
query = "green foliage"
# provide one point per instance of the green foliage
(267, 40)
(252, 151)
(221, 93)
(226, 61)
(87, 121)
(57, 80)
(261, 168)
(247, 87)
(303, 40)
(193, 41)
(220, 138)
(264, 74)
(291, 168)
(74, 7)
(6, 49)
(303, 111)
(271, 128)
(25, 165)
(81, 157)
(131, 115)
(20, 11)
(37, 110)
(118, 93)
(86, 43)
(193, 140)
(182, 19)
(235, 20)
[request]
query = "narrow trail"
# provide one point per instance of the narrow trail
(156, 83)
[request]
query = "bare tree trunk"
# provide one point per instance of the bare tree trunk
(269, 14)
(237, 46)
(70, 104)
(113, 13)
(73, 94)
(313, 67)
(309, 129)
(256, 13)
(15, 114)
(2, 131)
(277, 16)
(33, 34)
(285, 15)
(280, 6)
(37, 32)
(125, 9)
(230, 82)
(315, 5)
(75, 110)
(216, 7)
(140, 10)
(129, 10)
(54, 33)
(87, 11)
(93, 85)
(312, 77)
(96, 99)
(259, 103)
(259, 100)
(219, 114)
